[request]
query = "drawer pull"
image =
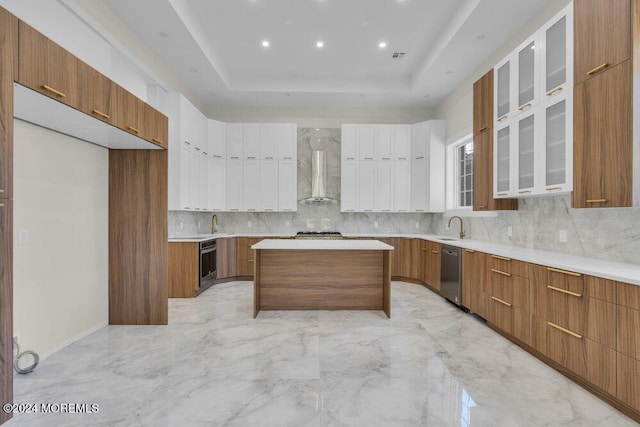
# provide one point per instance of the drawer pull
(251, 157)
(554, 188)
(596, 200)
(158, 141)
(425, 249)
(235, 158)
(197, 149)
(402, 158)
(187, 142)
(570, 273)
(420, 158)
(101, 114)
(471, 251)
(434, 252)
(368, 158)
(135, 130)
(1, 205)
(215, 156)
(525, 106)
(386, 158)
(501, 257)
(1, 190)
(500, 301)
(205, 153)
(564, 291)
(269, 158)
(566, 331)
(251, 260)
(482, 129)
(52, 90)
(524, 192)
(501, 272)
(502, 118)
(551, 92)
(598, 68)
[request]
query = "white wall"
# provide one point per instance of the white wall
(61, 274)
(457, 107)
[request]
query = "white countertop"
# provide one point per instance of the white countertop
(621, 272)
(320, 244)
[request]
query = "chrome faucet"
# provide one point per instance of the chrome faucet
(461, 225)
(214, 224)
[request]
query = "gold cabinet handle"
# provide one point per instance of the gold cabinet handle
(425, 249)
(368, 158)
(566, 331)
(420, 158)
(434, 252)
(101, 114)
(251, 158)
(471, 251)
(525, 106)
(402, 158)
(52, 90)
(554, 188)
(386, 158)
(251, 260)
(197, 149)
(215, 156)
(268, 158)
(596, 200)
(187, 142)
(501, 257)
(350, 158)
(158, 141)
(564, 291)
(551, 92)
(598, 68)
(1, 205)
(135, 130)
(500, 301)
(482, 207)
(524, 192)
(235, 157)
(570, 273)
(503, 194)
(1, 191)
(501, 272)
(287, 158)
(482, 129)
(502, 118)
(205, 153)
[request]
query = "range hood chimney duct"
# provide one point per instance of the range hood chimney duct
(319, 178)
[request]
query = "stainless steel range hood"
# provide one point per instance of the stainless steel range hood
(319, 179)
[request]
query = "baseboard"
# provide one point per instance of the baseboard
(73, 339)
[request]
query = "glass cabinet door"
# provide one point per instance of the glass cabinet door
(526, 150)
(526, 76)
(502, 91)
(557, 133)
(556, 56)
(502, 160)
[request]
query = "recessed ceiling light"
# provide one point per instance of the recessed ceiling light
(265, 43)
(164, 35)
(448, 72)
(287, 94)
(320, 43)
(194, 70)
(382, 45)
(212, 93)
(480, 37)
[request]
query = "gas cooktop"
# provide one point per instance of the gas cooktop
(319, 235)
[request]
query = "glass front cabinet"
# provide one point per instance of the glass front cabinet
(533, 113)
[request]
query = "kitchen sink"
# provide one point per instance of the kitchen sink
(448, 239)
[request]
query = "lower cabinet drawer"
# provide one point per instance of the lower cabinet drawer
(501, 314)
(522, 325)
(628, 387)
(592, 361)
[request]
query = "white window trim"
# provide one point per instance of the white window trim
(450, 186)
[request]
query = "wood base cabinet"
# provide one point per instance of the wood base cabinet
(184, 269)
(431, 264)
(474, 282)
(226, 258)
(628, 344)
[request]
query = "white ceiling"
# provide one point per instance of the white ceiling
(215, 47)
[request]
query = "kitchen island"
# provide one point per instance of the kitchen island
(322, 275)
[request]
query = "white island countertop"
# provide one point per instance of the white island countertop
(322, 245)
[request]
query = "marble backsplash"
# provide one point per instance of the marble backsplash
(612, 234)
(310, 216)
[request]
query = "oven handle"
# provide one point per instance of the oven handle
(207, 250)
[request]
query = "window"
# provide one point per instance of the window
(464, 175)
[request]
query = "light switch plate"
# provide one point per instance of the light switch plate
(417, 224)
(562, 236)
(23, 237)
(249, 224)
(509, 231)
(375, 224)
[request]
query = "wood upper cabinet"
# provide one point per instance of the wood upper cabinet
(226, 258)
(156, 126)
(483, 149)
(128, 111)
(483, 103)
(8, 53)
(474, 281)
(603, 169)
(432, 255)
(46, 67)
(602, 36)
(96, 91)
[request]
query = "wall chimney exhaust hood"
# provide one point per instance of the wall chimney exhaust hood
(319, 179)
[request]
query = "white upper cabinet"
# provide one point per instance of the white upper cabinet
(268, 141)
(235, 140)
(402, 141)
(384, 186)
(366, 142)
(349, 186)
(367, 186)
(268, 186)
(384, 142)
(251, 141)
(428, 166)
(287, 185)
(235, 185)
(349, 144)
(401, 189)
(287, 141)
(557, 55)
(217, 189)
(217, 136)
(533, 140)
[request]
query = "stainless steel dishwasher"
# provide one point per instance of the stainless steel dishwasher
(451, 266)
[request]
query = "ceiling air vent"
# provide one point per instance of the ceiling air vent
(398, 55)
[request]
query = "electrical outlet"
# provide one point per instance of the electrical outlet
(249, 224)
(417, 224)
(23, 237)
(198, 225)
(181, 226)
(287, 223)
(509, 231)
(375, 224)
(562, 236)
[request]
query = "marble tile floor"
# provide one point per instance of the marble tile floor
(430, 365)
